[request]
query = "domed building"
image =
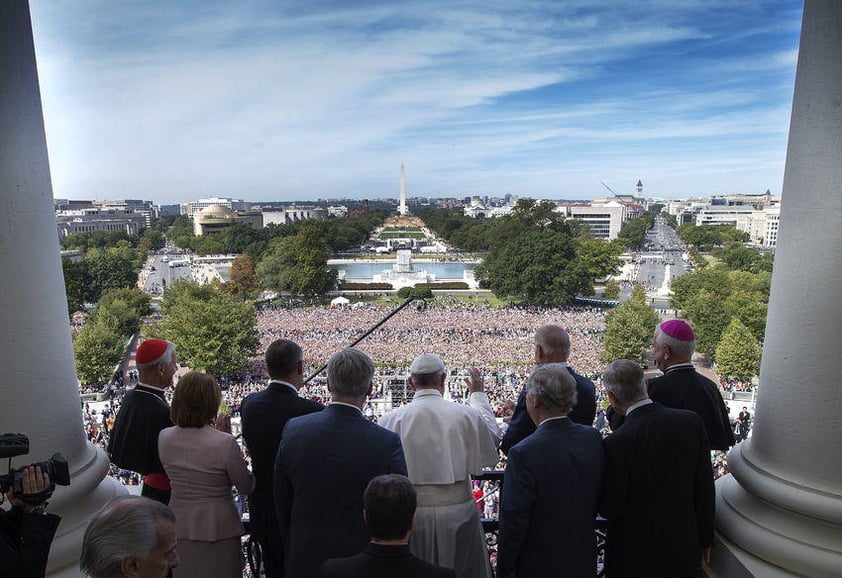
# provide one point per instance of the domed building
(213, 219)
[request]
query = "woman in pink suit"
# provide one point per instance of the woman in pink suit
(203, 461)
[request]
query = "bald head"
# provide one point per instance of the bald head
(552, 344)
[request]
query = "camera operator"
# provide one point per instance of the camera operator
(26, 530)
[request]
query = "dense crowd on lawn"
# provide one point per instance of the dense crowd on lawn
(498, 340)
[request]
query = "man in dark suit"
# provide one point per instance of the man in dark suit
(323, 466)
(682, 387)
(389, 511)
(552, 345)
(551, 488)
(264, 415)
(658, 492)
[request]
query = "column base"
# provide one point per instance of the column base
(757, 538)
(90, 489)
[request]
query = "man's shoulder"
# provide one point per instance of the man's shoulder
(305, 421)
(581, 379)
(684, 374)
(279, 398)
(687, 417)
(396, 414)
(144, 402)
(552, 433)
(373, 565)
(674, 419)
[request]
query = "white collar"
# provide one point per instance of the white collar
(286, 383)
(152, 387)
(637, 404)
(556, 418)
(346, 405)
(682, 365)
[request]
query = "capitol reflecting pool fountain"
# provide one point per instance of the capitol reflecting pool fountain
(403, 272)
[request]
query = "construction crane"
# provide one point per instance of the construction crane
(609, 188)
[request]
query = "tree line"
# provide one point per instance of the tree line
(534, 254)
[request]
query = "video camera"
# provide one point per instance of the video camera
(12, 445)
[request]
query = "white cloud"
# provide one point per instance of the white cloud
(274, 100)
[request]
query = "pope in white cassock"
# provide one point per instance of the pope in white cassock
(444, 443)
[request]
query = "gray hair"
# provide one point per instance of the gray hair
(678, 347)
(349, 373)
(124, 528)
(554, 387)
(624, 378)
(554, 341)
(166, 357)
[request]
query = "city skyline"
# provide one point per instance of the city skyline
(290, 101)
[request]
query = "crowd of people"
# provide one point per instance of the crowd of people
(496, 339)
(507, 345)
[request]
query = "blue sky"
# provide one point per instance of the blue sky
(285, 100)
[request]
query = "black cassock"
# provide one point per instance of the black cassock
(134, 440)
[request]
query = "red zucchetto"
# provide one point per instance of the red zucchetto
(150, 350)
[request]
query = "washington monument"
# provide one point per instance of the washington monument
(402, 210)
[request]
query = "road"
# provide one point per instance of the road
(662, 259)
(162, 269)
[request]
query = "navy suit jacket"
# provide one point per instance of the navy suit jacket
(323, 466)
(686, 388)
(550, 497)
(379, 561)
(264, 415)
(658, 494)
(583, 412)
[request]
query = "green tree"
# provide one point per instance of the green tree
(98, 240)
(750, 308)
(707, 236)
(599, 258)
(687, 286)
(127, 307)
(98, 348)
(108, 269)
(244, 282)
(709, 315)
(180, 232)
(152, 240)
(612, 289)
(75, 284)
(298, 264)
(629, 328)
(634, 231)
(738, 352)
(534, 256)
(737, 256)
(536, 266)
(214, 332)
(710, 297)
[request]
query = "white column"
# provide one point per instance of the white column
(780, 512)
(38, 391)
